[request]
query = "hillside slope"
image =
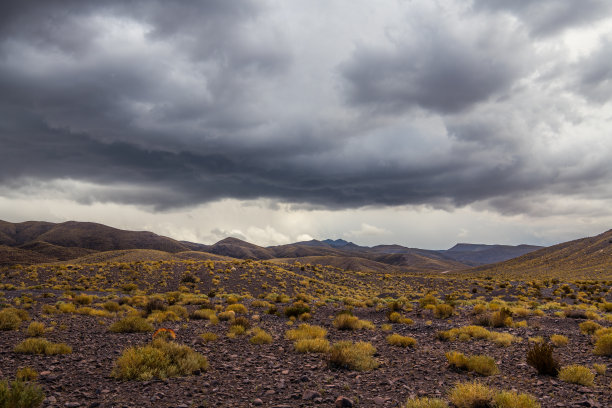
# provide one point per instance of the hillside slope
(583, 258)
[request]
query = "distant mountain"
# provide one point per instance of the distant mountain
(586, 257)
(37, 242)
(480, 254)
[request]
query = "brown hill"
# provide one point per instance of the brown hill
(585, 258)
(11, 256)
(56, 252)
(86, 235)
(343, 262)
(237, 248)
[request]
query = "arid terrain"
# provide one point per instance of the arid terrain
(271, 324)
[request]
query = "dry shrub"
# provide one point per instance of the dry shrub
(237, 308)
(208, 337)
(425, 402)
(603, 345)
(20, 394)
(131, 324)
(401, 341)
(540, 356)
(318, 345)
(35, 345)
(306, 331)
(159, 359)
(472, 395)
(577, 374)
(481, 364)
(36, 329)
(511, 399)
(348, 322)
(443, 311)
(10, 319)
(260, 336)
(589, 327)
(353, 356)
(559, 340)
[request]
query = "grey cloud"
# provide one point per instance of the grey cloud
(593, 74)
(437, 69)
(548, 17)
(195, 111)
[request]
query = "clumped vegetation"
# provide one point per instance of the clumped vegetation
(36, 345)
(11, 318)
(159, 359)
(425, 402)
(483, 365)
(260, 336)
(603, 345)
(471, 395)
(540, 356)
(401, 341)
(131, 324)
(478, 395)
(347, 322)
(577, 374)
(20, 394)
(354, 356)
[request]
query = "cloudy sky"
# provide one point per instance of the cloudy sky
(420, 122)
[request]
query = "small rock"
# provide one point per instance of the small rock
(343, 402)
(310, 395)
(379, 400)
(257, 402)
(72, 404)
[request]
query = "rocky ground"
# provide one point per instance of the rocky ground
(274, 375)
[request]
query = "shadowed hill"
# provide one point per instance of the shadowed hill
(582, 258)
(56, 252)
(479, 254)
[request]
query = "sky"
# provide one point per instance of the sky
(417, 122)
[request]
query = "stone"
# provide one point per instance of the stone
(257, 402)
(343, 402)
(310, 395)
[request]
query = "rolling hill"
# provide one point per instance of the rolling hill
(582, 258)
(83, 242)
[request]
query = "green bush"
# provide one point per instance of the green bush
(131, 324)
(159, 359)
(20, 394)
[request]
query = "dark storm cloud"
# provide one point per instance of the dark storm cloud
(547, 17)
(173, 104)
